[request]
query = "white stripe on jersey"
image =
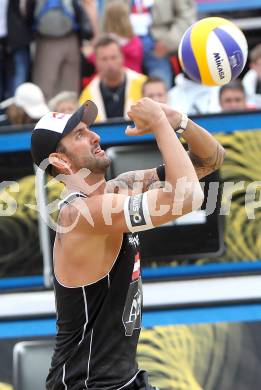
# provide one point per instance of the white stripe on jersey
(88, 367)
(86, 315)
(63, 380)
(130, 381)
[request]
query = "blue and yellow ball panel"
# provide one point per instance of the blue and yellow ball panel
(213, 51)
(233, 51)
(188, 59)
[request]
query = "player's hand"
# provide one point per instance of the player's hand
(146, 115)
(137, 131)
(173, 116)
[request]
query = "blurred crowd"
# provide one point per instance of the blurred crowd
(55, 54)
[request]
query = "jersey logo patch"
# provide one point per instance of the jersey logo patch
(134, 240)
(131, 317)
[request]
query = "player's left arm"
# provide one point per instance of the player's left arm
(205, 152)
(134, 182)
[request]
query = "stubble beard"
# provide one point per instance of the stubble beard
(97, 165)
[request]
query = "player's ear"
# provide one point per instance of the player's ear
(60, 162)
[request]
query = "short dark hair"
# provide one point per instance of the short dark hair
(106, 40)
(150, 80)
(235, 84)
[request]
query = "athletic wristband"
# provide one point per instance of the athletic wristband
(136, 212)
(183, 124)
(161, 172)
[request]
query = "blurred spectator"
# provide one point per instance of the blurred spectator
(252, 79)
(155, 89)
(66, 102)
(193, 98)
(115, 88)
(14, 48)
(232, 97)
(91, 9)
(117, 21)
(160, 24)
(26, 106)
(59, 28)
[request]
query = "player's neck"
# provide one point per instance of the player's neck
(94, 185)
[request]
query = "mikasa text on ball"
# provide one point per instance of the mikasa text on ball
(213, 51)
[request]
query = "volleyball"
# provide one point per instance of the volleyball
(213, 51)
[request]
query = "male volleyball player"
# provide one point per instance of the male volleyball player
(96, 263)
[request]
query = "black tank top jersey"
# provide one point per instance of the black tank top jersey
(98, 326)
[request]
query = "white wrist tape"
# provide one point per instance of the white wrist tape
(183, 124)
(136, 212)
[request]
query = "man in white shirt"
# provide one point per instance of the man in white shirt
(193, 98)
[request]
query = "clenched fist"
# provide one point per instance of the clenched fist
(146, 115)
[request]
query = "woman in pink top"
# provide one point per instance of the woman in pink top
(117, 22)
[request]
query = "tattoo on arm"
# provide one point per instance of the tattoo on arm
(152, 181)
(204, 166)
(138, 181)
(141, 181)
(128, 179)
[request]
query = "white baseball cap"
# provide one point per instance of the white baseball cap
(53, 126)
(30, 98)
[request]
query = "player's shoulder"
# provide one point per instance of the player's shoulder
(79, 209)
(67, 213)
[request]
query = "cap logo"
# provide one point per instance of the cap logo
(58, 115)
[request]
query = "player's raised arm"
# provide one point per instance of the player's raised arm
(205, 152)
(180, 194)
